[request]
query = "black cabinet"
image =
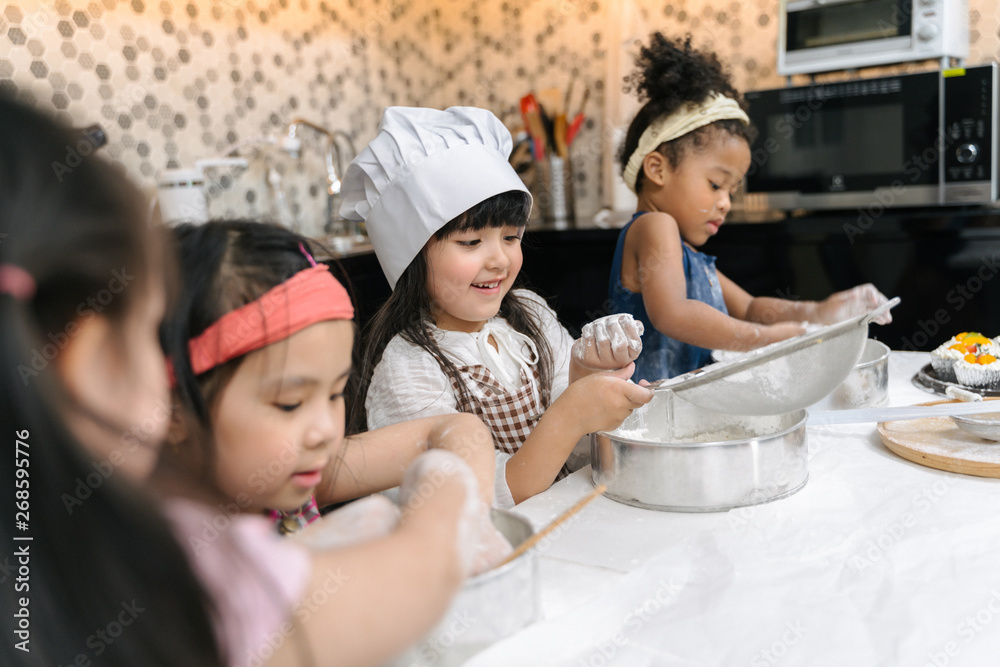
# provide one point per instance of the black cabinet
(943, 262)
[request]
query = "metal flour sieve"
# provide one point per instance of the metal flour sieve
(779, 378)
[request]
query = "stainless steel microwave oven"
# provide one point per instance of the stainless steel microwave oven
(827, 35)
(907, 140)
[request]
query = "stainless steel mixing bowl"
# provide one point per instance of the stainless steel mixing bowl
(712, 461)
(985, 426)
(866, 386)
(489, 607)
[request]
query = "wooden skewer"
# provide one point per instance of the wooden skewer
(537, 537)
(559, 132)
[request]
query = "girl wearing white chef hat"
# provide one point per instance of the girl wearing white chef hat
(445, 212)
(685, 153)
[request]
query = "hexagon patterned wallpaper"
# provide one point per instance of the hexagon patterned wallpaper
(173, 82)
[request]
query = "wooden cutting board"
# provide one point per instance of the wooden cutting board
(936, 442)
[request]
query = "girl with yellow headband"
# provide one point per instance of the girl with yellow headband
(684, 155)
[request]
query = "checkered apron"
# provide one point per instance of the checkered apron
(510, 415)
(296, 520)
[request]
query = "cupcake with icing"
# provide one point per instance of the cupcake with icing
(981, 371)
(955, 349)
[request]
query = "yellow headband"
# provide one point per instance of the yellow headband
(688, 119)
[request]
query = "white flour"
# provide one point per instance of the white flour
(746, 427)
(633, 433)
(940, 436)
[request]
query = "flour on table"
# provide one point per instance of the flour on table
(939, 436)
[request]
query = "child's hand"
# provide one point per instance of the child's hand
(490, 546)
(609, 343)
(602, 401)
(440, 481)
(852, 303)
(360, 521)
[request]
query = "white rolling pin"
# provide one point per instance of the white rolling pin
(862, 415)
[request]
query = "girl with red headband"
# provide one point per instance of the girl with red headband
(260, 348)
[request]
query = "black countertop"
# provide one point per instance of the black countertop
(941, 261)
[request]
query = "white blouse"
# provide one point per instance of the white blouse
(408, 383)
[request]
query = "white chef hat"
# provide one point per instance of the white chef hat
(424, 168)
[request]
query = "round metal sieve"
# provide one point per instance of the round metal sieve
(779, 378)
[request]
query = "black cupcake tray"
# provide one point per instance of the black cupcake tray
(928, 380)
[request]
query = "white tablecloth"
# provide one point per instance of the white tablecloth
(877, 561)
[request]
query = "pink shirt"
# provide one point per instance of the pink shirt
(255, 577)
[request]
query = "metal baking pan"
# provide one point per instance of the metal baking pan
(712, 462)
(928, 380)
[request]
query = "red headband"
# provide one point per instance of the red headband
(310, 296)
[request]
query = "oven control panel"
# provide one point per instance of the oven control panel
(969, 104)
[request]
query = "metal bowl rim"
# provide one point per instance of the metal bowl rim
(725, 443)
(882, 357)
(978, 419)
(485, 577)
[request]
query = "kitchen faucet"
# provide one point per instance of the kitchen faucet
(334, 169)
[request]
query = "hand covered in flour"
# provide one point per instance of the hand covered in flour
(601, 401)
(360, 521)
(609, 343)
(433, 481)
(852, 303)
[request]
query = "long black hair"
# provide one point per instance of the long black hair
(669, 74)
(224, 265)
(100, 552)
(408, 310)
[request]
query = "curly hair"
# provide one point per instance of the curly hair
(669, 74)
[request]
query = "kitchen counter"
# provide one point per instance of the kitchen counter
(941, 261)
(876, 561)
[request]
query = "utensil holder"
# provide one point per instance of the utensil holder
(554, 191)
